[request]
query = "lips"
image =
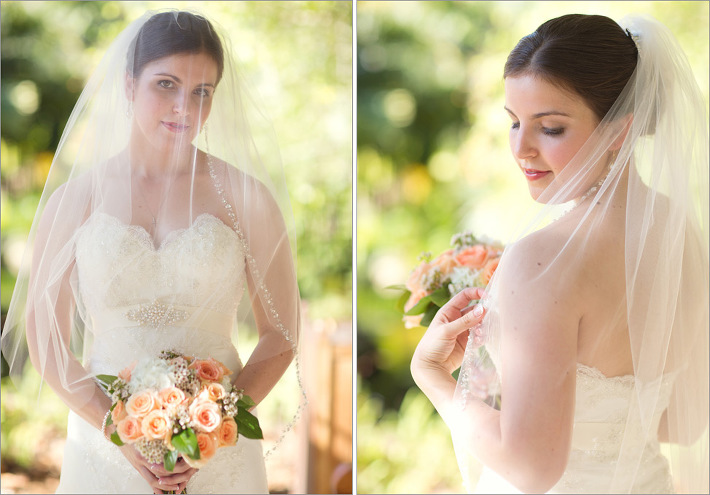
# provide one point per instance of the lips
(174, 126)
(532, 174)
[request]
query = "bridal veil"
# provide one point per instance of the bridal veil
(226, 166)
(646, 165)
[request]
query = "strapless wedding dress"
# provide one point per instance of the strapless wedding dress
(600, 420)
(121, 271)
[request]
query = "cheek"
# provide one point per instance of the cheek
(560, 154)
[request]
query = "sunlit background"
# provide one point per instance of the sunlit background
(433, 160)
(298, 56)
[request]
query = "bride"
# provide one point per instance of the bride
(596, 322)
(158, 211)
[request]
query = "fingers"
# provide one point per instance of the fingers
(467, 320)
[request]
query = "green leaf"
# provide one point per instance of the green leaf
(105, 380)
(429, 315)
(440, 296)
(403, 300)
(248, 425)
(116, 439)
(397, 287)
(420, 307)
(186, 442)
(169, 459)
(246, 402)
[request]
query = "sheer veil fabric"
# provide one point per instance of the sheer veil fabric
(653, 189)
(208, 153)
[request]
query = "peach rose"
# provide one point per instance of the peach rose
(227, 433)
(209, 370)
(205, 415)
(141, 403)
(445, 262)
(129, 429)
(171, 396)
(474, 256)
(414, 283)
(119, 412)
(489, 270)
(207, 444)
(214, 391)
(125, 374)
(155, 424)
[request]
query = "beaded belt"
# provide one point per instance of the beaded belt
(159, 315)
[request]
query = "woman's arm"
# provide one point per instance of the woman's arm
(50, 309)
(276, 313)
(528, 440)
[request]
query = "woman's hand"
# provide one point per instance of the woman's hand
(442, 347)
(159, 479)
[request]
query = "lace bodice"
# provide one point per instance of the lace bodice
(137, 299)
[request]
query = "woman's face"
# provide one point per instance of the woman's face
(172, 98)
(549, 126)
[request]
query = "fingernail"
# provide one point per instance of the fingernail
(478, 310)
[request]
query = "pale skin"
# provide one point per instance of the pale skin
(171, 99)
(546, 324)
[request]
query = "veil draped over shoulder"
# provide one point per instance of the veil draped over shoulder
(655, 186)
(218, 165)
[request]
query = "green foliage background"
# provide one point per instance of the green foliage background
(298, 57)
(433, 160)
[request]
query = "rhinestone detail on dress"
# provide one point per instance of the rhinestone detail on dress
(156, 315)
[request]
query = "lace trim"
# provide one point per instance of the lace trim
(269, 301)
(593, 372)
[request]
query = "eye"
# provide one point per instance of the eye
(553, 131)
(165, 83)
(515, 125)
(202, 92)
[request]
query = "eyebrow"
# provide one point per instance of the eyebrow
(179, 81)
(542, 114)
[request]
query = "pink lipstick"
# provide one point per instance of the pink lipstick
(532, 174)
(174, 127)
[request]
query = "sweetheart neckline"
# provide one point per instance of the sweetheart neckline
(173, 234)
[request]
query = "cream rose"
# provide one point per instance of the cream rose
(171, 397)
(205, 415)
(155, 424)
(141, 403)
(215, 391)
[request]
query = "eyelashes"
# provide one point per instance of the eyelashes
(168, 84)
(548, 131)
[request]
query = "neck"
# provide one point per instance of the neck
(150, 161)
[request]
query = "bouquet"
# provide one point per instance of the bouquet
(470, 262)
(176, 404)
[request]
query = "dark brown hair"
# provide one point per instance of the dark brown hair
(590, 55)
(170, 33)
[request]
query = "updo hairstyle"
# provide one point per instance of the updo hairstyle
(171, 33)
(591, 55)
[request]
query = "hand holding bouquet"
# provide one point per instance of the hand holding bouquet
(470, 262)
(177, 404)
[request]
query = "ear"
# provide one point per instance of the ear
(624, 123)
(128, 86)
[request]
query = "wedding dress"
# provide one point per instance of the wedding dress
(120, 270)
(601, 409)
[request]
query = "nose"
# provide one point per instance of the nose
(521, 144)
(181, 105)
